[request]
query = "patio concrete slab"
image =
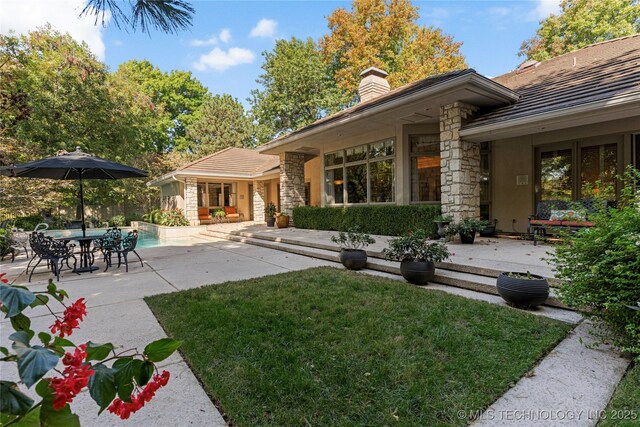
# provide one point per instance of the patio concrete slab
(570, 387)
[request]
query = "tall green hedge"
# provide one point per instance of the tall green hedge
(385, 220)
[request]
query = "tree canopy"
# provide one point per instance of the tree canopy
(220, 123)
(581, 23)
(385, 34)
(296, 89)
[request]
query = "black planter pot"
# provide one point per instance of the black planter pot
(467, 238)
(417, 272)
(522, 292)
(353, 259)
(271, 221)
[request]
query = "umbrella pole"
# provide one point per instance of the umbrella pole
(84, 227)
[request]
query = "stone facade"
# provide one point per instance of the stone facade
(460, 164)
(292, 186)
(258, 201)
(191, 200)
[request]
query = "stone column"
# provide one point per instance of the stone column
(292, 186)
(459, 164)
(258, 201)
(191, 200)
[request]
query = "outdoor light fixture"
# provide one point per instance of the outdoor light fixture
(338, 182)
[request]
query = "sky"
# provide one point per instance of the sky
(223, 49)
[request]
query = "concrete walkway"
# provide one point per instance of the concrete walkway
(118, 314)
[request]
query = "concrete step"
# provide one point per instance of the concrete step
(462, 268)
(450, 277)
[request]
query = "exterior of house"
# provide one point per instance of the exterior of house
(479, 147)
(229, 177)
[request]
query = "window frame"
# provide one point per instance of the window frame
(413, 155)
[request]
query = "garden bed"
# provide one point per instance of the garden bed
(329, 347)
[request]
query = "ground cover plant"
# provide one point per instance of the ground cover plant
(327, 347)
(624, 408)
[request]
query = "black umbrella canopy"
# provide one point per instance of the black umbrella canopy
(75, 165)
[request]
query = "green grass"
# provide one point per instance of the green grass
(327, 347)
(624, 408)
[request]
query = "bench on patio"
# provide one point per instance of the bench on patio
(559, 215)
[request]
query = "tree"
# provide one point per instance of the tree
(297, 89)
(169, 16)
(581, 23)
(220, 123)
(384, 34)
(176, 96)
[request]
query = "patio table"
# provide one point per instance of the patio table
(86, 260)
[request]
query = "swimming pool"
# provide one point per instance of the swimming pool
(145, 240)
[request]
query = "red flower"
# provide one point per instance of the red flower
(75, 378)
(125, 409)
(2, 279)
(71, 318)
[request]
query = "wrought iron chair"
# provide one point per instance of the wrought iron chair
(107, 243)
(126, 244)
(55, 252)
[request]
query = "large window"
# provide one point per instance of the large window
(362, 174)
(598, 170)
(425, 168)
(556, 175)
(216, 194)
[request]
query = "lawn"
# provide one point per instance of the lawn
(624, 408)
(327, 347)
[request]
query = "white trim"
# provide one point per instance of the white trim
(231, 176)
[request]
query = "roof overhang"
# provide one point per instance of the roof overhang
(619, 107)
(421, 105)
(180, 175)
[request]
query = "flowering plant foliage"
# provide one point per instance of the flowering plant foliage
(121, 382)
(417, 246)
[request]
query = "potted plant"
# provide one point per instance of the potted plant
(219, 215)
(442, 221)
(489, 230)
(417, 254)
(522, 289)
(352, 244)
(270, 214)
(282, 220)
(466, 229)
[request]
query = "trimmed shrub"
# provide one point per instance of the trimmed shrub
(28, 223)
(388, 220)
(118, 221)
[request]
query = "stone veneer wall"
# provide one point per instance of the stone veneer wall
(292, 187)
(459, 164)
(258, 200)
(191, 200)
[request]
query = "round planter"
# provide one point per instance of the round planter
(522, 292)
(467, 239)
(490, 230)
(282, 221)
(271, 221)
(417, 272)
(353, 259)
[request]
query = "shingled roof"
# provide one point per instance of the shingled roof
(597, 72)
(234, 161)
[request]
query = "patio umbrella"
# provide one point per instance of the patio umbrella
(75, 165)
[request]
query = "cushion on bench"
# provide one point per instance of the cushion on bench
(545, 222)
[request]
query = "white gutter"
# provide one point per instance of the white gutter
(490, 129)
(473, 78)
(223, 175)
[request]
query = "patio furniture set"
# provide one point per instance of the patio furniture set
(58, 252)
(226, 214)
(553, 216)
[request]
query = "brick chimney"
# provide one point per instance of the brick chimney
(373, 84)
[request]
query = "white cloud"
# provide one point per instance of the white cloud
(544, 8)
(264, 28)
(220, 60)
(208, 42)
(225, 35)
(23, 16)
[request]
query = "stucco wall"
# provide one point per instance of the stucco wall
(171, 195)
(243, 198)
(313, 175)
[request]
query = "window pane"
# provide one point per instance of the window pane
(335, 185)
(555, 173)
(425, 144)
(201, 190)
(381, 149)
(356, 153)
(637, 151)
(357, 184)
(484, 177)
(598, 169)
(214, 194)
(381, 181)
(425, 178)
(333, 159)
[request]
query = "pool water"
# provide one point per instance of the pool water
(145, 240)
